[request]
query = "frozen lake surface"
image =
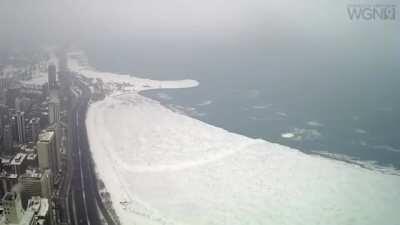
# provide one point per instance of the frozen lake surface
(168, 168)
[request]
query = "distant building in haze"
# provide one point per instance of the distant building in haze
(52, 76)
(54, 109)
(7, 138)
(20, 127)
(32, 129)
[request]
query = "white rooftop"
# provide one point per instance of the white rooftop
(18, 159)
(34, 173)
(46, 136)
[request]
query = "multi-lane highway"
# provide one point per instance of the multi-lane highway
(82, 199)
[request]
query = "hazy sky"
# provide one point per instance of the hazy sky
(289, 27)
(273, 19)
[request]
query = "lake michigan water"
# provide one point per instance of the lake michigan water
(310, 102)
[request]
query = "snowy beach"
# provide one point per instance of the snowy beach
(163, 167)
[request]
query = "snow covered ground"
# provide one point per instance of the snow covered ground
(163, 167)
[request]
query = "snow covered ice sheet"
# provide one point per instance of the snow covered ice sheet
(168, 168)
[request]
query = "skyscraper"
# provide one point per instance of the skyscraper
(46, 150)
(12, 208)
(52, 76)
(14, 127)
(56, 128)
(37, 210)
(35, 183)
(54, 109)
(20, 127)
(32, 129)
(7, 138)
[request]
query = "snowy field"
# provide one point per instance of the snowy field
(163, 167)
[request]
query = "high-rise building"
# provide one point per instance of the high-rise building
(37, 210)
(3, 96)
(54, 110)
(8, 181)
(22, 103)
(32, 130)
(11, 94)
(58, 132)
(35, 183)
(1, 128)
(7, 138)
(3, 112)
(5, 81)
(20, 127)
(46, 183)
(46, 150)
(13, 210)
(52, 76)
(14, 127)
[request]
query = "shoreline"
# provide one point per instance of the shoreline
(140, 208)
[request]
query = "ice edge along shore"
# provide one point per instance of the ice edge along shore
(164, 176)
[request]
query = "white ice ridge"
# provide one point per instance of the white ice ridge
(78, 63)
(162, 167)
